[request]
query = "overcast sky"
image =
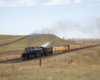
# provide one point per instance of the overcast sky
(65, 18)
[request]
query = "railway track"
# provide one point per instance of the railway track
(48, 56)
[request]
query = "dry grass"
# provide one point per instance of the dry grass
(56, 68)
(10, 55)
(85, 63)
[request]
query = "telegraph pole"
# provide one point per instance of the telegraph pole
(50, 39)
(73, 40)
(84, 40)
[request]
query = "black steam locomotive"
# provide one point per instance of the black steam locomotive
(32, 52)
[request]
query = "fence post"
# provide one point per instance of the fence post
(40, 62)
(68, 62)
(71, 61)
(13, 65)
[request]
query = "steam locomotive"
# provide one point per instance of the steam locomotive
(32, 52)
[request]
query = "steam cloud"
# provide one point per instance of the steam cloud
(89, 28)
(68, 29)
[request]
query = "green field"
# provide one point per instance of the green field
(85, 66)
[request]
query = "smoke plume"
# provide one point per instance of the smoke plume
(90, 28)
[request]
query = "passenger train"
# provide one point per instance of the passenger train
(32, 52)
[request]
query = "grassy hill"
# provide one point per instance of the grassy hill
(31, 40)
(15, 49)
(8, 38)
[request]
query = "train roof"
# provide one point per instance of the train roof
(47, 47)
(71, 45)
(59, 46)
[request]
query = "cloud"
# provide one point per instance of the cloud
(96, 3)
(77, 1)
(93, 4)
(16, 3)
(57, 2)
(97, 18)
(61, 2)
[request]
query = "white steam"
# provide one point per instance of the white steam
(68, 29)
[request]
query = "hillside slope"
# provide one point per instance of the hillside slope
(11, 40)
(33, 40)
(15, 49)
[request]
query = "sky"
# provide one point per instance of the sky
(64, 18)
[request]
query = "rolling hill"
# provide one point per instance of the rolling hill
(20, 42)
(17, 44)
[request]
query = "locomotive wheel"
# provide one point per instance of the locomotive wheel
(39, 55)
(42, 55)
(25, 58)
(30, 56)
(33, 56)
(36, 56)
